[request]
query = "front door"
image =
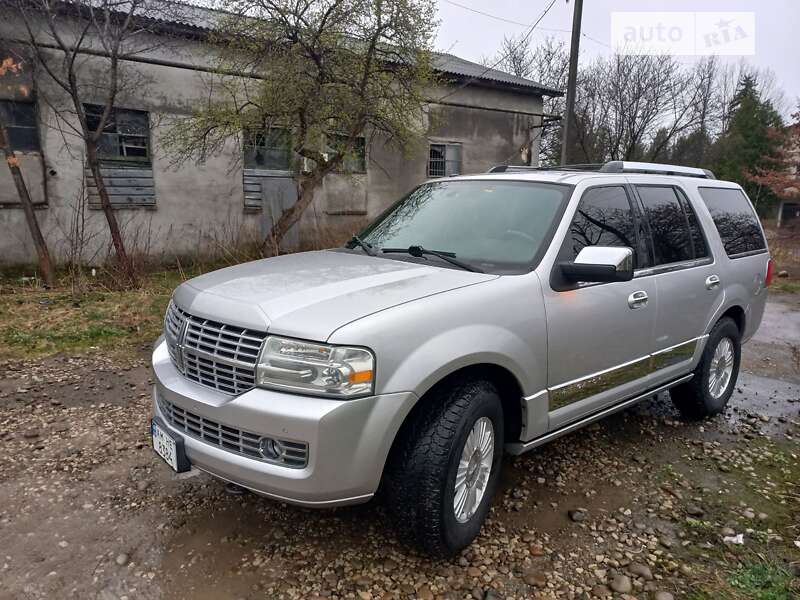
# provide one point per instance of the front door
(599, 335)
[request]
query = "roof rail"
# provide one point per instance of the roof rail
(615, 166)
(578, 167)
(624, 166)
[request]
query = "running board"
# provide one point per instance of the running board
(522, 447)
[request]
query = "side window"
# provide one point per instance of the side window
(604, 218)
(669, 227)
(698, 240)
(735, 219)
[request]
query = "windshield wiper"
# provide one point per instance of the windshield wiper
(419, 251)
(357, 241)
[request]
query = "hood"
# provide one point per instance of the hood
(311, 294)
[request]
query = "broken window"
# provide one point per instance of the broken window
(269, 149)
(21, 125)
(444, 160)
(125, 134)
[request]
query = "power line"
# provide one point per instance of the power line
(520, 43)
(519, 23)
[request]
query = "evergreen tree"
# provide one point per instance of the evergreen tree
(751, 144)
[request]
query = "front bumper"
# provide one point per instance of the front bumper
(348, 440)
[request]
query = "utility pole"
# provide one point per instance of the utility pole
(569, 113)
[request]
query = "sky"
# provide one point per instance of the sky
(474, 36)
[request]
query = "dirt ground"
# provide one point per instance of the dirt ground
(636, 506)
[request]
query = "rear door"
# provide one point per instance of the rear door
(687, 278)
(599, 335)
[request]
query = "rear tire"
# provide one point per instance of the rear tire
(709, 391)
(421, 486)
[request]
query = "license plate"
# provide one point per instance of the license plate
(164, 445)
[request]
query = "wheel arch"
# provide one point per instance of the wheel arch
(507, 384)
(736, 313)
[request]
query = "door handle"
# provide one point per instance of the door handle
(712, 282)
(638, 299)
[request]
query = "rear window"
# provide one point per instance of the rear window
(735, 219)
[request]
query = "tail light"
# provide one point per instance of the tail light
(768, 278)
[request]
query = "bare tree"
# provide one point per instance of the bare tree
(80, 47)
(10, 64)
(515, 57)
(330, 73)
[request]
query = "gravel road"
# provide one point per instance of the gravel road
(636, 506)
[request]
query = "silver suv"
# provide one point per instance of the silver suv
(478, 315)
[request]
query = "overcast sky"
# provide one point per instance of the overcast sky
(473, 36)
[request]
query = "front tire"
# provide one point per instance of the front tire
(446, 469)
(709, 391)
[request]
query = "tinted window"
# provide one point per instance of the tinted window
(669, 226)
(698, 240)
(735, 219)
(604, 218)
(493, 224)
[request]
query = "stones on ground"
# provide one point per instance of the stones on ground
(601, 591)
(783, 273)
(537, 550)
(640, 570)
(578, 515)
(534, 578)
(122, 559)
(694, 511)
(621, 584)
(425, 593)
(661, 595)
(749, 514)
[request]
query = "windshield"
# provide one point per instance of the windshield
(495, 225)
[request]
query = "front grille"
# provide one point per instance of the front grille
(211, 353)
(289, 454)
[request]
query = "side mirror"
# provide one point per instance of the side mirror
(600, 264)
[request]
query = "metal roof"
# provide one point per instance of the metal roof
(202, 18)
(454, 65)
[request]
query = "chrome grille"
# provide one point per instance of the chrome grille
(289, 454)
(211, 353)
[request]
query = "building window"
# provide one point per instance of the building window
(444, 160)
(21, 125)
(125, 135)
(268, 149)
(355, 160)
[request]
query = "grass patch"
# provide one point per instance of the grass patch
(39, 322)
(764, 581)
(785, 286)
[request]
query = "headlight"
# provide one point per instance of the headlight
(319, 369)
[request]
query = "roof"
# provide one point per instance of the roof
(454, 65)
(184, 15)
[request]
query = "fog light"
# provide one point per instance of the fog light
(269, 448)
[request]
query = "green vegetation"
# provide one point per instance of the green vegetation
(785, 286)
(39, 322)
(763, 581)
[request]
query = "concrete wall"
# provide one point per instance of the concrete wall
(200, 208)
